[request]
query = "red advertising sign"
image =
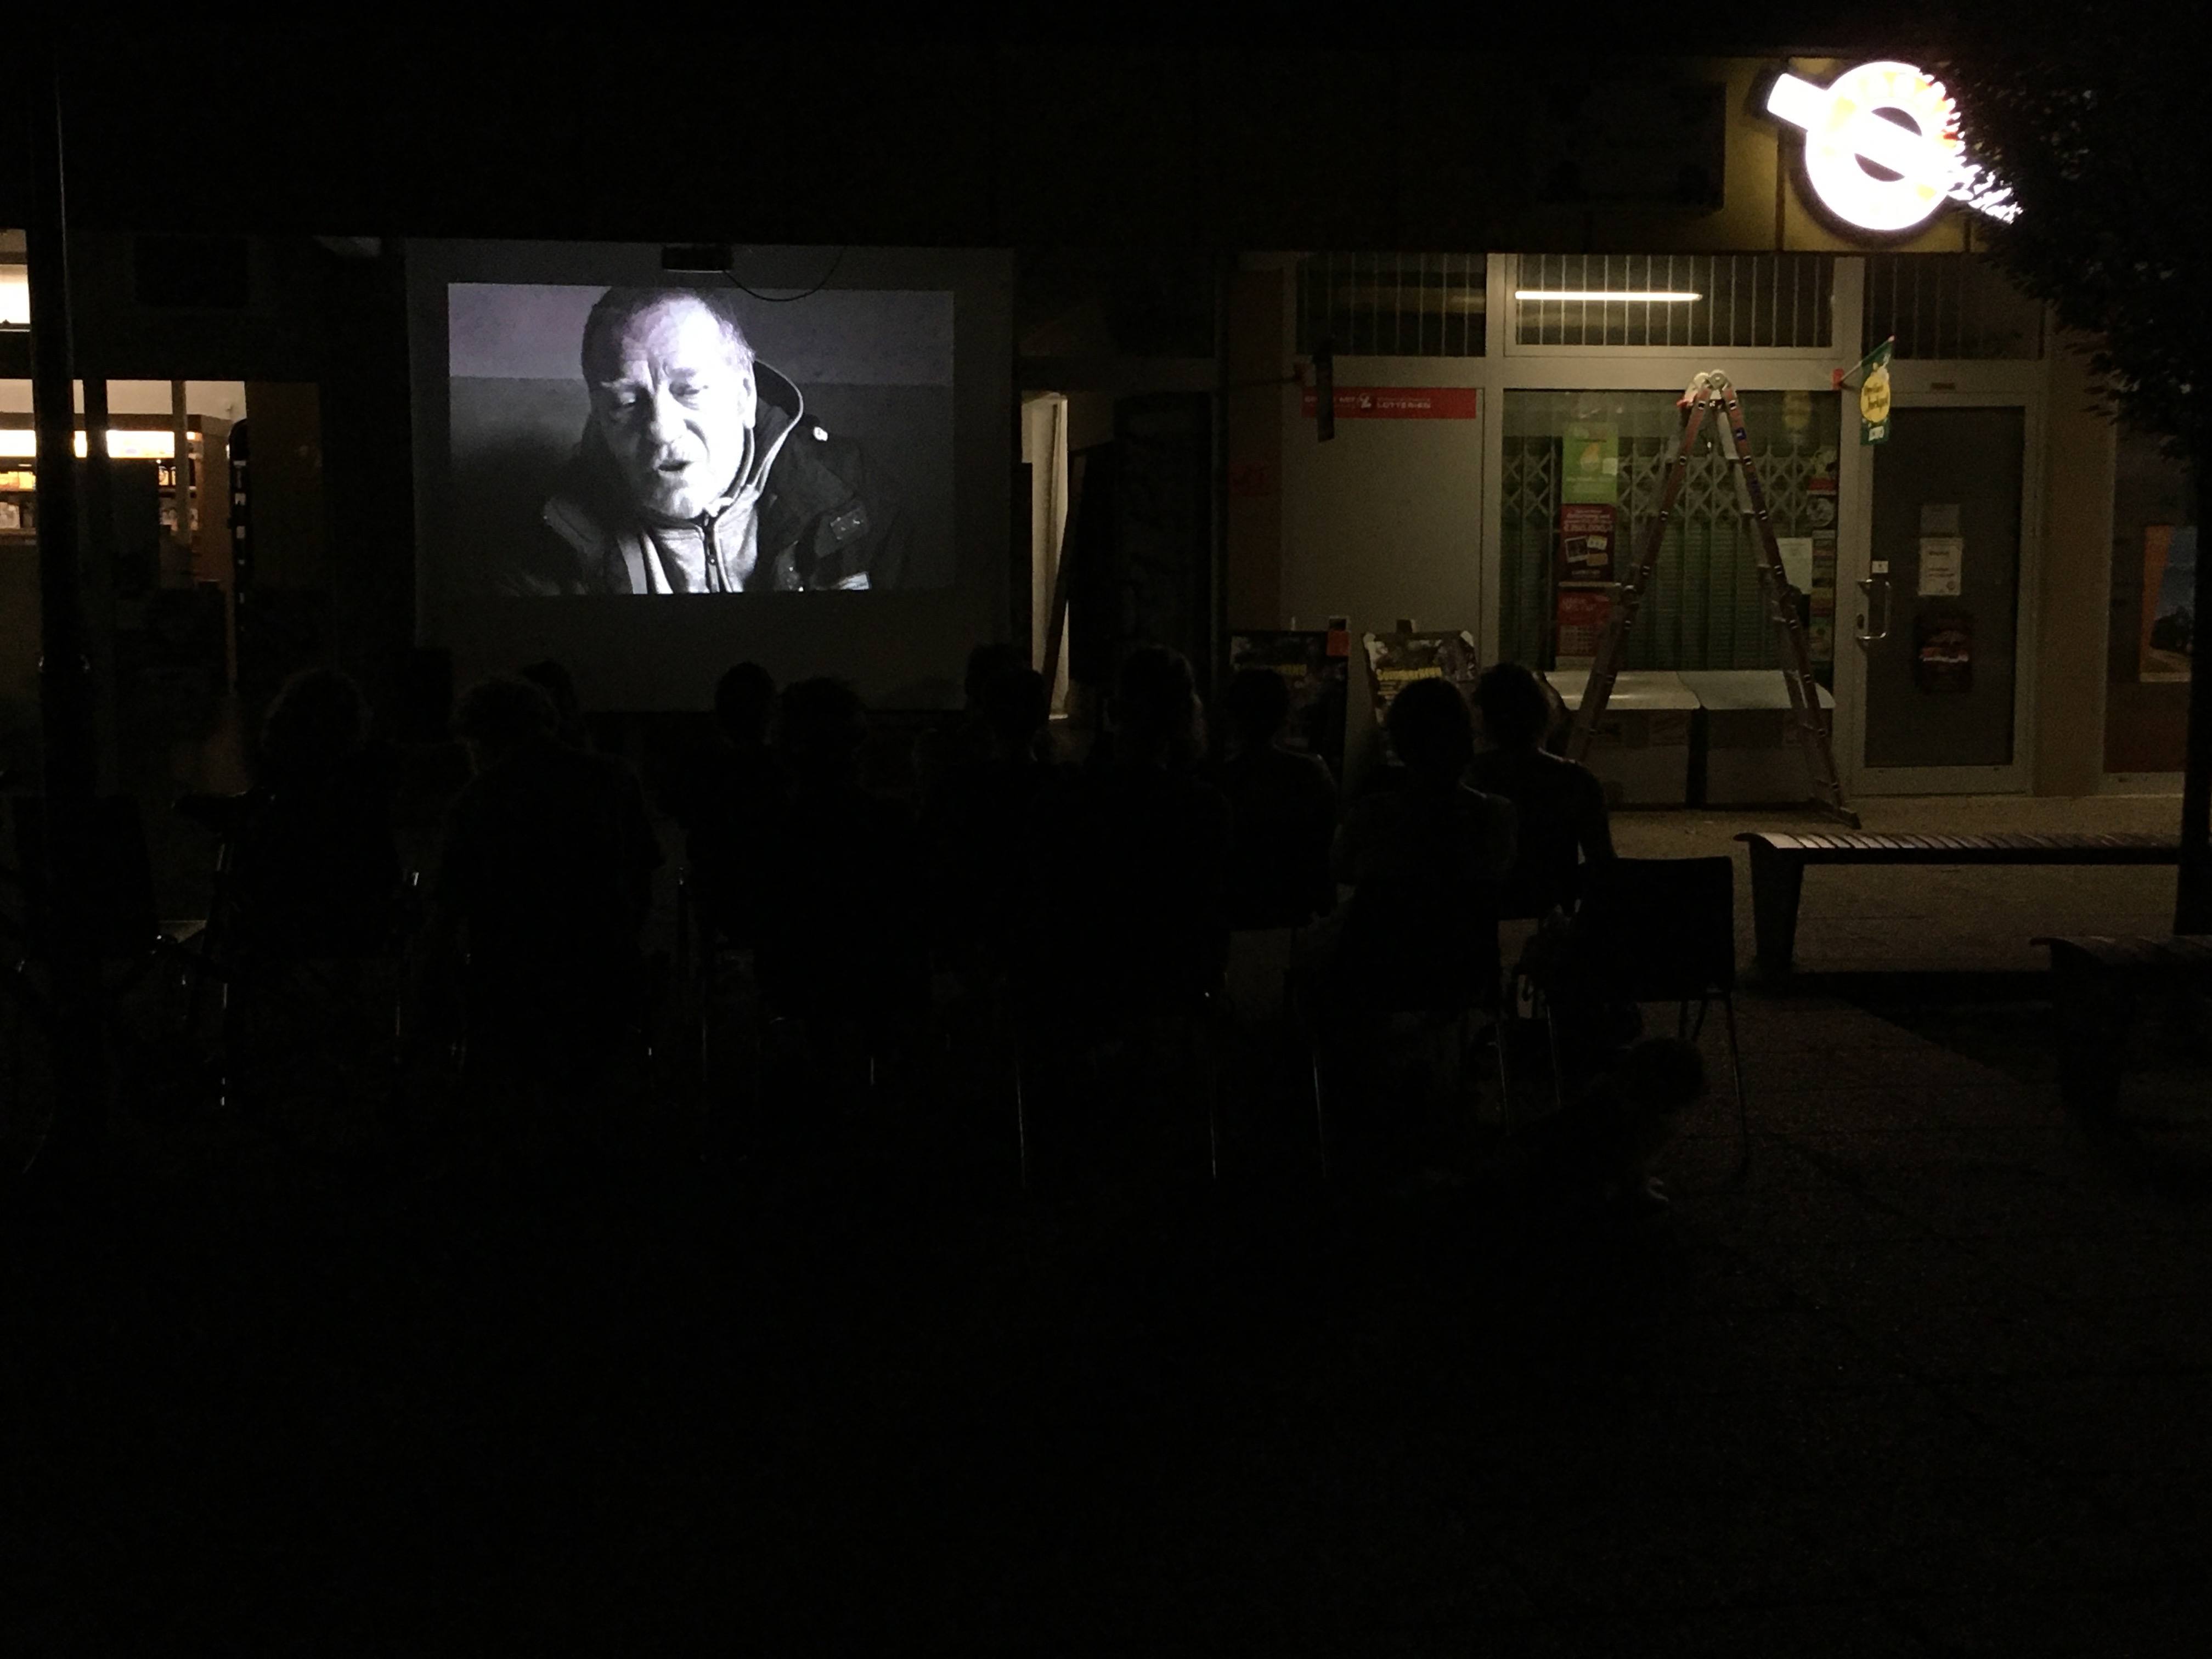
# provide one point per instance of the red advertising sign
(1580, 619)
(1398, 403)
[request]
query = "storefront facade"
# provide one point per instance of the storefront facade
(1957, 577)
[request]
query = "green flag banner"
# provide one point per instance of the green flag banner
(1874, 391)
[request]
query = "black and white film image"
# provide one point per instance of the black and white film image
(700, 439)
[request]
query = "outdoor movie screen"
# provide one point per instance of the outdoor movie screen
(691, 437)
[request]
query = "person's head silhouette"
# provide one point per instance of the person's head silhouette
(1258, 705)
(318, 719)
(497, 716)
(555, 680)
(821, 727)
(1516, 712)
(1434, 733)
(1016, 709)
(1156, 717)
(985, 663)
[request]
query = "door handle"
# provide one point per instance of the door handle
(1866, 589)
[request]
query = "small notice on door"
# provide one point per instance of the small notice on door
(1942, 562)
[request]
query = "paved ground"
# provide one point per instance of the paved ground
(1928, 1378)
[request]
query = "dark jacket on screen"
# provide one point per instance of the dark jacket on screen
(825, 519)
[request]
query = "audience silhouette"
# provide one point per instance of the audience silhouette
(1559, 804)
(977, 816)
(964, 737)
(839, 933)
(546, 877)
(314, 871)
(1282, 811)
(723, 794)
(1425, 861)
(1131, 857)
(1101, 892)
(555, 680)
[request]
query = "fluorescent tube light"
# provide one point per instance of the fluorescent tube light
(1653, 296)
(20, 443)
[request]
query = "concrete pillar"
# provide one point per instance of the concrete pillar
(2070, 628)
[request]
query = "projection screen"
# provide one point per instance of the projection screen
(653, 475)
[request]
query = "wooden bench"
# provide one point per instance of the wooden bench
(2096, 985)
(1777, 867)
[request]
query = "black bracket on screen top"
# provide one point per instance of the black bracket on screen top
(700, 256)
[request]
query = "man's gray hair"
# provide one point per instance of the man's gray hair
(619, 306)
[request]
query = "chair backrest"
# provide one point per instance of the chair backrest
(1666, 926)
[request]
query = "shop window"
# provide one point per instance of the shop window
(1774, 301)
(1952, 305)
(1394, 305)
(2152, 643)
(1704, 609)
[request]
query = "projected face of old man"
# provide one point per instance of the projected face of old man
(700, 469)
(673, 397)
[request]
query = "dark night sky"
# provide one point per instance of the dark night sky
(571, 130)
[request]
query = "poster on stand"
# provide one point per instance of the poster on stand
(1394, 661)
(1316, 669)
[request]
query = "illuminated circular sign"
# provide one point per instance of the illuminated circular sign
(1882, 149)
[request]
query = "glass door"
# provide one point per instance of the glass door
(1934, 612)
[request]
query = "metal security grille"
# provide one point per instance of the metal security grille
(1949, 305)
(1394, 305)
(1773, 300)
(1705, 609)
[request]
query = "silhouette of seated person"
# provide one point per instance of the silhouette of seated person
(1425, 860)
(723, 794)
(546, 877)
(1560, 804)
(963, 736)
(977, 820)
(840, 870)
(555, 680)
(314, 870)
(1282, 810)
(1132, 857)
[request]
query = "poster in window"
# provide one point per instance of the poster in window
(1589, 463)
(1943, 651)
(1820, 502)
(1586, 538)
(1318, 678)
(1580, 620)
(1820, 624)
(2169, 621)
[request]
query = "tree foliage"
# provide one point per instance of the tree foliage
(2095, 116)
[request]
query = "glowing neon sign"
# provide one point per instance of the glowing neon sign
(1882, 147)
